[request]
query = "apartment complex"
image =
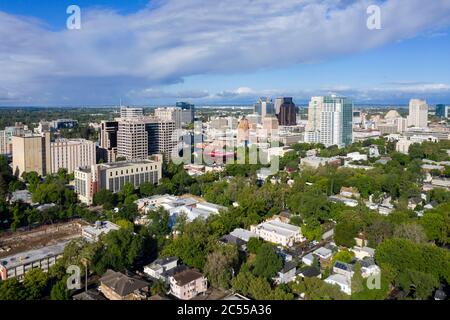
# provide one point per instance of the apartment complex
(330, 121)
(113, 176)
(6, 137)
(188, 284)
(71, 154)
(31, 153)
(278, 232)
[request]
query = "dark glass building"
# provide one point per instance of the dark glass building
(287, 115)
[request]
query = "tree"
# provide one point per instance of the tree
(436, 225)
(158, 225)
(422, 284)
(147, 189)
(242, 282)
(378, 231)
(12, 289)
(403, 255)
(345, 233)
(127, 190)
(59, 290)
(343, 256)
(259, 288)
(220, 265)
(267, 263)
(121, 249)
(411, 231)
(35, 283)
(254, 244)
(104, 198)
(317, 289)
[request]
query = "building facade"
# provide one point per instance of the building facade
(264, 107)
(108, 140)
(418, 113)
(71, 154)
(113, 176)
(170, 114)
(187, 112)
(132, 139)
(31, 153)
(287, 115)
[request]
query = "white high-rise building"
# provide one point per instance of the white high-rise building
(330, 121)
(71, 154)
(418, 113)
(170, 114)
(314, 111)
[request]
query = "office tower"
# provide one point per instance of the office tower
(131, 113)
(170, 114)
(132, 139)
(71, 154)
(442, 111)
(243, 134)
(187, 112)
(161, 137)
(31, 153)
(264, 107)
(336, 121)
(418, 113)
(113, 176)
(314, 111)
(287, 115)
(108, 140)
(278, 103)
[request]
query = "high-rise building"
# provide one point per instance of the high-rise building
(170, 114)
(187, 112)
(113, 176)
(287, 115)
(71, 154)
(31, 153)
(131, 112)
(314, 111)
(108, 140)
(264, 107)
(132, 139)
(442, 111)
(278, 103)
(161, 139)
(418, 113)
(336, 121)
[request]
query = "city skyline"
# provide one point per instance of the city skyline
(160, 52)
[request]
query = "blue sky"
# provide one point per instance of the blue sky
(229, 52)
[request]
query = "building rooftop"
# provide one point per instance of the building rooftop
(279, 227)
(122, 284)
(243, 234)
(33, 255)
(187, 276)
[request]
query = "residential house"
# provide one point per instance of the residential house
(343, 268)
(309, 272)
(287, 273)
(278, 232)
(159, 268)
(118, 286)
(343, 282)
(188, 284)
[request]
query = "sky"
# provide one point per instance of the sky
(212, 52)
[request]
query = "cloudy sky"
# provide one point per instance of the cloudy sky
(222, 51)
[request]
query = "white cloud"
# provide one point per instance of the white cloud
(121, 55)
